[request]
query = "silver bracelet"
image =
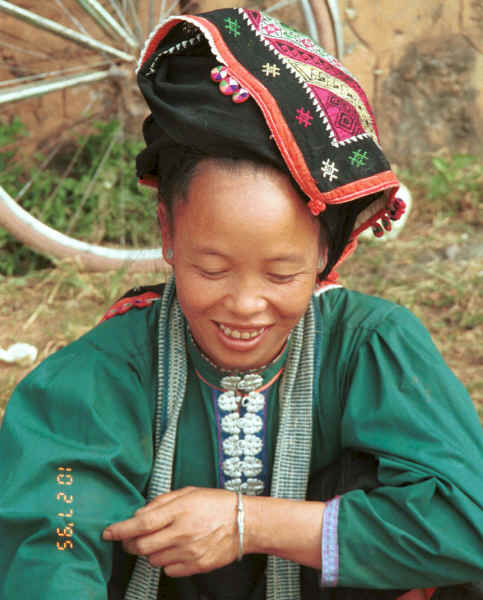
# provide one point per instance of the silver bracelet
(240, 521)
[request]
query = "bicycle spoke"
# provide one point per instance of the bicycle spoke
(60, 30)
(333, 6)
(47, 203)
(278, 5)
(115, 138)
(69, 14)
(170, 10)
(151, 15)
(44, 165)
(24, 50)
(47, 74)
(120, 15)
(311, 25)
(135, 20)
(22, 92)
(162, 10)
(105, 20)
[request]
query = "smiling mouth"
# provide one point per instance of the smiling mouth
(240, 335)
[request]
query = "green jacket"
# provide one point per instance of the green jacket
(76, 453)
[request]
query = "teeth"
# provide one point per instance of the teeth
(245, 335)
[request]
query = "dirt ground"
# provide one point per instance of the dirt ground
(434, 268)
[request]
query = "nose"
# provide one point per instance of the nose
(246, 298)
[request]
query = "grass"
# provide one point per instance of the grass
(86, 190)
(435, 268)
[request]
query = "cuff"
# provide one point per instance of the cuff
(330, 544)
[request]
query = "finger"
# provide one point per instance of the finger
(179, 561)
(173, 564)
(164, 499)
(146, 545)
(180, 570)
(166, 557)
(142, 524)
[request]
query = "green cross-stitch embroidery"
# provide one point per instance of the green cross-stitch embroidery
(358, 158)
(233, 26)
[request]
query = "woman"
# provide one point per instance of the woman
(194, 429)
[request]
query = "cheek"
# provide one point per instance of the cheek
(196, 295)
(292, 302)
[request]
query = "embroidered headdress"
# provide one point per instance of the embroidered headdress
(284, 100)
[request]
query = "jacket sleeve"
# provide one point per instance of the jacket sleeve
(76, 448)
(423, 525)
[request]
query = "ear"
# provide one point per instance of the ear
(323, 258)
(321, 264)
(166, 234)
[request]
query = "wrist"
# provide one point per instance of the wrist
(240, 523)
(254, 541)
(286, 528)
(266, 519)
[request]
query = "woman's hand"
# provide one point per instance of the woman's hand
(188, 531)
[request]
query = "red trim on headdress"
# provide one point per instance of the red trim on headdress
(157, 37)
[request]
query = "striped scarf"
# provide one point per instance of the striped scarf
(293, 450)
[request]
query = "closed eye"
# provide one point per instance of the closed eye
(278, 278)
(212, 274)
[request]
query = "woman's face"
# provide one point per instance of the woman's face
(246, 256)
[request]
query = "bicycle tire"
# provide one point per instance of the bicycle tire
(322, 18)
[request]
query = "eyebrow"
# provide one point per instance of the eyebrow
(209, 251)
(293, 258)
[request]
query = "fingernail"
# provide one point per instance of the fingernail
(107, 534)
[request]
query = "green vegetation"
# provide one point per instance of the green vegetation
(88, 190)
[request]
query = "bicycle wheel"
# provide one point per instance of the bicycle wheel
(68, 69)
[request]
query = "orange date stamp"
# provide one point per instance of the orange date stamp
(65, 533)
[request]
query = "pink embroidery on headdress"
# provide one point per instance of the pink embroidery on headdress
(343, 117)
(304, 117)
(353, 116)
(255, 17)
(271, 29)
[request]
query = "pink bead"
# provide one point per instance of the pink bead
(218, 73)
(229, 86)
(240, 96)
